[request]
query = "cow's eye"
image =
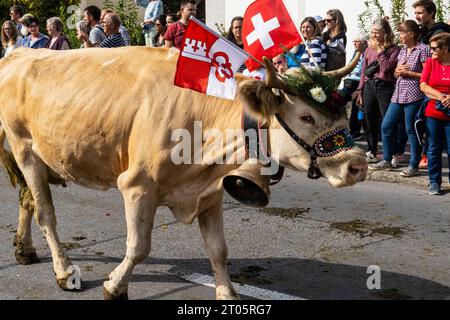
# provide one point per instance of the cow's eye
(307, 118)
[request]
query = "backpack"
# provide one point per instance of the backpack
(336, 55)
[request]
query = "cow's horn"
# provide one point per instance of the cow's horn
(342, 72)
(273, 81)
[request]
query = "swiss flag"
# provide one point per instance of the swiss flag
(267, 24)
(208, 62)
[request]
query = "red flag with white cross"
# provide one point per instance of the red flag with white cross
(208, 62)
(268, 25)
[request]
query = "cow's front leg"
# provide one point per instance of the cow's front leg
(35, 172)
(211, 226)
(140, 211)
(25, 253)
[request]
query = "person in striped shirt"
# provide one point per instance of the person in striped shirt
(316, 56)
(111, 24)
(123, 31)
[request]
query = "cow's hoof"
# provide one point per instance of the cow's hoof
(67, 285)
(114, 296)
(71, 280)
(26, 256)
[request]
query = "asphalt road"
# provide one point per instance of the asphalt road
(306, 245)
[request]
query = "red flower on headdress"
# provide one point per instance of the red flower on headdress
(335, 102)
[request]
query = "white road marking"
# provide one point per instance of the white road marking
(245, 289)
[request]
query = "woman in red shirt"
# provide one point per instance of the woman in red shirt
(435, 83)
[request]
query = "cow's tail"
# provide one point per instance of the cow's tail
(9, 163)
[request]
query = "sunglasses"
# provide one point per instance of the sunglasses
(329, 20)
(435, 48)
(277, 63)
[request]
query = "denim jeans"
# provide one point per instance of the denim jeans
(150, 35)
(389, 129)
(437, 131)
(377, 96)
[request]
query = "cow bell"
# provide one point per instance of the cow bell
(247, 185)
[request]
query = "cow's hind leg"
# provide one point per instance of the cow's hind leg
(25, 253)
(140, 210)
(35, 173)
(211, 226)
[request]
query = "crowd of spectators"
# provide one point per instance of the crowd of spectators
(395, 83)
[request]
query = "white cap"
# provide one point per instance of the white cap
(318, 18)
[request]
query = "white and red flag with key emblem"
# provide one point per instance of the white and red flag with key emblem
(208, 62)
(267, 25)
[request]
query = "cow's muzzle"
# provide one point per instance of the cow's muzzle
(345, 169)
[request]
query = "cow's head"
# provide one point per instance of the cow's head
(304, 105)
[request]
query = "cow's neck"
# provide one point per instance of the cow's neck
(224, 118)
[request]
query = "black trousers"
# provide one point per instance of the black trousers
(377, 96)
(354, 124)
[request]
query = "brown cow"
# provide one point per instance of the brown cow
(103, 118)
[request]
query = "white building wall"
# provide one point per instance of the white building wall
(223, 11)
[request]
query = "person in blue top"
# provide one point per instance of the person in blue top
(153, 10)
(351, 83)
(35, 40)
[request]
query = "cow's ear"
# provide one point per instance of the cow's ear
(258, 97)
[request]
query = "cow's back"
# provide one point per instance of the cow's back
(89, 111)
(79, 107)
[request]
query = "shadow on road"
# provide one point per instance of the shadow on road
(308, 279)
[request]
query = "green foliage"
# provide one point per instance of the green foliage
(303, 80)
(70, 18)
(43, 10)
(373, 10)
(365, 18)
(128, 13)
(379, 7)
(442, 10)
(222, 31)
(398, 13)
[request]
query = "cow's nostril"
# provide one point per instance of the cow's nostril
(357, 171)
(354, 171)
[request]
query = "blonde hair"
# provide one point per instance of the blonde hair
(15, 33)
(385, 27)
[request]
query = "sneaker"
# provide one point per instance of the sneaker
(400, 158)
(423, 162)
(371, 158)
(410, 172)
(382, 165)
(435, 189)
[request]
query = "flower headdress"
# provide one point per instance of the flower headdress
(317, 89)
